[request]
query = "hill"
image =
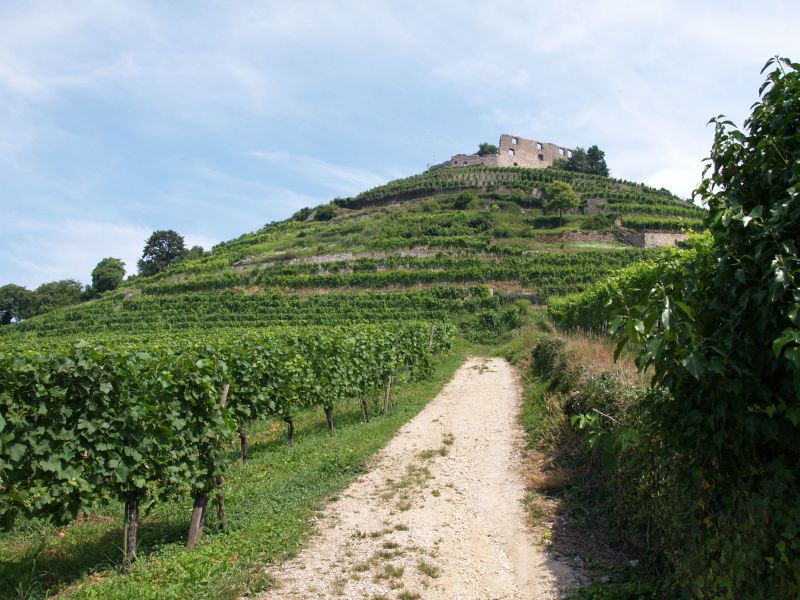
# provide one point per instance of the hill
(477, 236)
(136, 399)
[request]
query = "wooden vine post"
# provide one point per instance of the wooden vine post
(387, 396)
(243, 441)
(289, 429)
(198, 519)
(131, 530)
(329, 417)
(364, 407)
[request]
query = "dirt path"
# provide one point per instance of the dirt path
(439, 515)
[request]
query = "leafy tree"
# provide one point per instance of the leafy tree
(596, 161)
(107, 275)
(325, 212)
(591, 161)
(56, 294)
(721, 331)
(196, 252)
(578, 162)
(162, 249)
(560, 196)
(302, 214)
(16, 302)
(486, 148)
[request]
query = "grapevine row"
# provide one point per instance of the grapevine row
(98, 422)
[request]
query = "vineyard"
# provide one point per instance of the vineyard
(153, 403)
(111, 421)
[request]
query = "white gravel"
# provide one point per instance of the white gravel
(454, 511)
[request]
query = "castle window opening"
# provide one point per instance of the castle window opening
(511, 152)
(516, 165)
(541, 157)
(465, 163)
(538, 146)
(561, 151)
(514, 140)
(569, 153)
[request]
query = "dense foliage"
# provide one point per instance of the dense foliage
(107, 275)
(559, 196)
(124, 419)
(163, 248)
(719, 327)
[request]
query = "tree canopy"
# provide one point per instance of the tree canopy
(486, 148)
(56, 294)
(163, 248)
(560, 196)
(592, 161)
(107, 275)
(16, 302)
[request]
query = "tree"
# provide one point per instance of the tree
(16, 302)
(486, 148)
(56, 294)
(195, 252)
(578, 162)
(162, 249)
(107, 275)
(585, 161)
(560, 196)
(596, 161)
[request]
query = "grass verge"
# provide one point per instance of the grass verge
(270, 503)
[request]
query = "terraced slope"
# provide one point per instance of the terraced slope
(375, 255)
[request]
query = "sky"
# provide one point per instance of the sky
(215, 118)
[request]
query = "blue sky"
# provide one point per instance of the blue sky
(214, 118)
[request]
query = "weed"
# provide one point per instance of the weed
(428, 569)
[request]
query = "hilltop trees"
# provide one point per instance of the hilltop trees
(560, 196)
(107, 275)
(16, 302)
(163, 248)
(56, 294)
(486, 148)
(592, 161)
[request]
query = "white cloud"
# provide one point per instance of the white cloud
(45, 251)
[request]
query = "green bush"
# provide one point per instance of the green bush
(466, 199)
(596, 223)
(720, 331)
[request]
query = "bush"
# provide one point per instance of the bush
(721, 332)
(596, 223)
(325, 212)
(465, 199)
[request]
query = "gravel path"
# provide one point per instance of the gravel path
(439, 515)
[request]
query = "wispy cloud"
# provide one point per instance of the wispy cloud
(342, 179)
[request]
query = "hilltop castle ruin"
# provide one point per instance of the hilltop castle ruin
(513, 151)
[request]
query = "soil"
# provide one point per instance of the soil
(440, 513)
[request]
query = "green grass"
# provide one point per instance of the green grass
(269, 504)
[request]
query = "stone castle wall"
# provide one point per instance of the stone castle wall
(514, 151)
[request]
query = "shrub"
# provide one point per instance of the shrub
(465, 199)
(325, 212)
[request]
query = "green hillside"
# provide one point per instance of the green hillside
(449, 229)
